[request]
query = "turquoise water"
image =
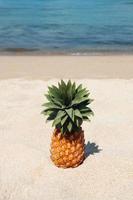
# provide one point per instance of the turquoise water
(62, 26)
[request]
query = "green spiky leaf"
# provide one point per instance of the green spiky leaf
(64, 119)
(70, 113)
(77, 113)
(70, 126)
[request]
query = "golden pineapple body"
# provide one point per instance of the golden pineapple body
(67, 150)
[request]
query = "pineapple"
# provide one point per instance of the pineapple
(67, 107)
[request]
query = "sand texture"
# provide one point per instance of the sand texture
(79, 67)
(26, 172)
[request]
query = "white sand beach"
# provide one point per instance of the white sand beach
(26, 171)
(79, 67)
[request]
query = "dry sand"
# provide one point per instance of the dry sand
(26, 172)
(46, 67)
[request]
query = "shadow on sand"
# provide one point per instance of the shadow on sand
(91, 149)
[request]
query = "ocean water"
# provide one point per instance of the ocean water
(66, 26)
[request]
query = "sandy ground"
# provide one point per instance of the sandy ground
(47, 67)
(26, 172)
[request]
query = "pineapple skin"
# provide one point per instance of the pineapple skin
(67, 151)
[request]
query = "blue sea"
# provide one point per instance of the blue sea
(66, 26)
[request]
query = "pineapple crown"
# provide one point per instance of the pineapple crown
(67, 106)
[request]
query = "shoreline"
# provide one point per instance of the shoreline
(73, 67)
(25, 52)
